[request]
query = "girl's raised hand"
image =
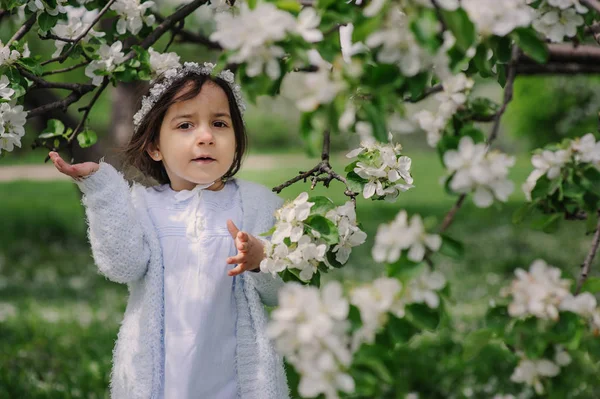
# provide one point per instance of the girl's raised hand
(76, 171)
(250, 250)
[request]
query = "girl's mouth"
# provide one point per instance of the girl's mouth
(204, 160)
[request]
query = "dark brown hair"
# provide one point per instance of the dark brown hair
(149, 128)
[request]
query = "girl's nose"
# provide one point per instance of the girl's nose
(205, 136)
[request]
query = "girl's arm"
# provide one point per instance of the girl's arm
(119, 244)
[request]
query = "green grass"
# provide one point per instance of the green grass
(59, 317)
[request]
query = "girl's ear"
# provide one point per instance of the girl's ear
(154, 152)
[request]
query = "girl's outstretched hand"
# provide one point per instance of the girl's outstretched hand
(76, 171)
(250, 251)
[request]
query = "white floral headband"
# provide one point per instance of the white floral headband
(173, 75)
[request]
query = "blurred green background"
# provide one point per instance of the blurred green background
(59, 318)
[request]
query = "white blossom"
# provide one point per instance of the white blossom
(547, 163)
(351, 235)
(309, 90)
(374, 301)
(396, 44)
(251, 35)
(8, 56)
(498, 17)
(538, 292)
(424, 287)
(399, 235)
(12, 122)
(586, 149)
(162, 62)
(38, 7)
(432, 124)
(557, 24)
(5, 91)
(472, 168)
(110, 57)
(308, 24)
(310, 329)
(531, 372)
(132, 15)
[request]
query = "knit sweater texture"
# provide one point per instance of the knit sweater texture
(126, 249)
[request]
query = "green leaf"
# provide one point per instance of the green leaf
(475, 341)
(452, 248)
(422, 316)
(591, 285)
(503, 49)
(547, 223)
(289, 5)
(400, 330)
(268, 233)
(481, 61)
(497, 318)
(322, 205)
(529, 41)
(325, 227)
(363, 29)
(54, 128)
(47, 21)
(87, 138)
(417, 85)
(520, 214)
(471, 131)
(31, 64)
(591, 223)
(404, 268)
(332, 260)
(377, 122)
(461, 26)
(252, 4)
(482, 107)
(425, 29)
(355, 182)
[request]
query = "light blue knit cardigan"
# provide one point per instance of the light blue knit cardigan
(126, 250)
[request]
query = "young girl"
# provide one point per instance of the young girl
(194, 325)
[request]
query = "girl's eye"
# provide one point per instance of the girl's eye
(185, 126)
(220, 124)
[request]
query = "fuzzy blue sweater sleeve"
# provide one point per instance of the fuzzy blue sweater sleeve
(119, 245)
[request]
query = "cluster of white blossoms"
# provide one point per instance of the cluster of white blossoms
(110, 58)
(550, 163)
(397, 44)
(387, 171)
(492, 17)
(453, 96)
(252, 34)
(309, 90)
(78, 21)
(132, 15)
(162, 62)
(295, 245)
(473, 168)
(9, 57)
(310, 328)
(400, 235)
(12, 122)
(543, 294)
(557, 19)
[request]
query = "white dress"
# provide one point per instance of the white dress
(200, 309)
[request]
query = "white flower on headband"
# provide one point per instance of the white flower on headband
(174, 74)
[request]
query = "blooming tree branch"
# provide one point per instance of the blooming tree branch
(22, 30)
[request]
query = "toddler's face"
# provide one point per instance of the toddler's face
(196, 142)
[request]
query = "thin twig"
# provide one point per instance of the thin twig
(22, 30)
(62, 105)
(449, 218)
(508, 93)
(65, 69)
(429, 91)
(44, 84)
(88, 108)
(316, 173)
(587, 264)
(185, 36)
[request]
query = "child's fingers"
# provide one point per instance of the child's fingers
(233, 230)
(242, 246)
(243, 236)
(239, 258)
(239, 269)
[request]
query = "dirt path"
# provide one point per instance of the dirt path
(48, 172)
